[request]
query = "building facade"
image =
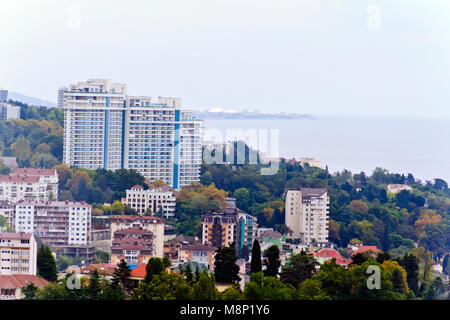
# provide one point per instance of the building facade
(307, 214)
(199, 253)
(247, 232)
(56, 223)
(29, 184)
(134, 245)
(94, 115)
(105, 128)
(18, 253)
(159, 200)
(8, 112)
(148, 223)
(220, 228)
(3, 95)
(7, 211)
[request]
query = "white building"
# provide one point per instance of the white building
(7, 211)
(105, 128)
(396, 188)
(161, 199)
(47, 176)
(93, 124)
(306, 213)
(18, 253)
(29, 184)
(56, 223)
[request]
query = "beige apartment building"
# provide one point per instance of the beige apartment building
(158, 200)
(307, 214)
(148, 223)
(18, 253)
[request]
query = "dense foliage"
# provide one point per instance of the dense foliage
(360, 206)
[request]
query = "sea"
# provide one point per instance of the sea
(357, 143)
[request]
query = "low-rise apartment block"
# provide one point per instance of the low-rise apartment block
(18, 253)
(153, 224)
(160, 200)
(134, 245)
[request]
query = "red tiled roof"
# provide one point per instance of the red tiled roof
(137, 187)
(139, 271)
(33, 172)
(20, 280)
(366, 248)
(134, 230)
(15, 235)
(198, 247)
(108, 269)
(54, 203)
(149, 218)
(11, 178)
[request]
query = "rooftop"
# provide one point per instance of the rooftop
(20, 280)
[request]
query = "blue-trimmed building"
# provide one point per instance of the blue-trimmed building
(106, 128)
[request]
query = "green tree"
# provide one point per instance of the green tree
(267, 288)
(310, 289)
(166, 286)
(256, 265)
(225, 268)
(166, 261)
(205, 287)
(301, 267)
(29, 291)
(273, 261)
(121, 275)
(94, 285)
(155, 266)
(410, 263)
(46, 264)
(188, 273)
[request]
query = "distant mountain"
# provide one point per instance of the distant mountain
(30, 100)
(220, 114)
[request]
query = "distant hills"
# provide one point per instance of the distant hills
(30, 100)
(207, 113)
(220, 114)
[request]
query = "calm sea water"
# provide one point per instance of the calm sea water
(401, 145)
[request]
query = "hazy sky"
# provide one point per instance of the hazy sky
(312, 56)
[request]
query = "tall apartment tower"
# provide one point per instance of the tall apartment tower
(306, 213)
(94, 116)
(105, 128)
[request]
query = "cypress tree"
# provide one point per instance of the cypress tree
(46, 264)
(274, 263)
(256, 265)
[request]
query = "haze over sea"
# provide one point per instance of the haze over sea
(400, 145)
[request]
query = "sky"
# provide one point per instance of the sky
(349, 57)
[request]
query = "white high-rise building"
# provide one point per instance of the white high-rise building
(105, 128)
(306, 213)
(94, 114)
